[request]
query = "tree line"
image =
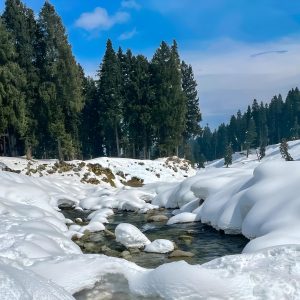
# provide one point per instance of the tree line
(135, 107)
(260, 125)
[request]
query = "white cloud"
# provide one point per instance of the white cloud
(230, 76)
(130, 4)
(128, 35)
(99, 19)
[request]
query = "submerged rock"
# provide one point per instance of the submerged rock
(157, 218)
(186, 238)
(180, 253)
(109, 234)
(126, 254)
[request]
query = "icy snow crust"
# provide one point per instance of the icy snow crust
(38, 260)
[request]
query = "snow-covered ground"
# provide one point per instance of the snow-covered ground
(38, 259)
(105, 170)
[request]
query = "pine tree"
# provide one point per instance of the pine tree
(12, 104)
(250, 136)
(91, 135)
(138, 104)
(169, 111)
(222, 140)
(228, 155)
(193, 116)
(61, 88)
(21, 23)
(284, 150)
(110, 99)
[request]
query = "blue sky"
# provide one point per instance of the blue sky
(239, 49)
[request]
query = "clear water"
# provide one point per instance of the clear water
(204, 242)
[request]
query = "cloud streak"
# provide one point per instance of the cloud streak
(128, 35)
(229, 78)
(131, 4)
(269, 52)
(99, 19)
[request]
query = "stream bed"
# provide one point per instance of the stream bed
(202, 240)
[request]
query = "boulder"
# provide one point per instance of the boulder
(130, 236)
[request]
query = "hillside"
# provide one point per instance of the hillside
(108, 171)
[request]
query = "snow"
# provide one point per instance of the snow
(18, 283)
(38, 260)
(184, 217)
(269, 274)
(160, 246)
(122, 169)
(130, 236)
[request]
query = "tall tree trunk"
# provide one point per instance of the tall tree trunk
(133, 151)
(60, 154)
(28, 153)
(117, 140)
(4, 145)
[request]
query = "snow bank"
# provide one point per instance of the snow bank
(184, 217)
(269, 274)
(262, 204)
(18, 283)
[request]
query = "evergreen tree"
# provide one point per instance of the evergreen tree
(91, 135)
(284, 150)
(222, 140)
(21, 23)
(228, 155)
(138, 105)
(12, 101)
(250, 136)
(169, 111)
(61, 88)
(262, 151)
(193, 116)
(110, 99)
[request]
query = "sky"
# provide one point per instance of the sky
(239, 49)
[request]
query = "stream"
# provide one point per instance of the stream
(202, 240)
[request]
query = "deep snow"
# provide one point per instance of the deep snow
(38, 260)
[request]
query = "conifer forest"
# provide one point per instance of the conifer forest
(135, 107)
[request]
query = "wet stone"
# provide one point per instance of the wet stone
(157, 218)
(134, 250)
(180, 253)
(186, 239)
(109, 234)
(126, 254)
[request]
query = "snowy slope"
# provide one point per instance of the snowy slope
(38, 260)
(107, 171)
(258, 199)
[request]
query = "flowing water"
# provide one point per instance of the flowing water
(203, 241)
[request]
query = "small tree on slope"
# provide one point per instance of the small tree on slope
(284, 150)
(228, 155)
